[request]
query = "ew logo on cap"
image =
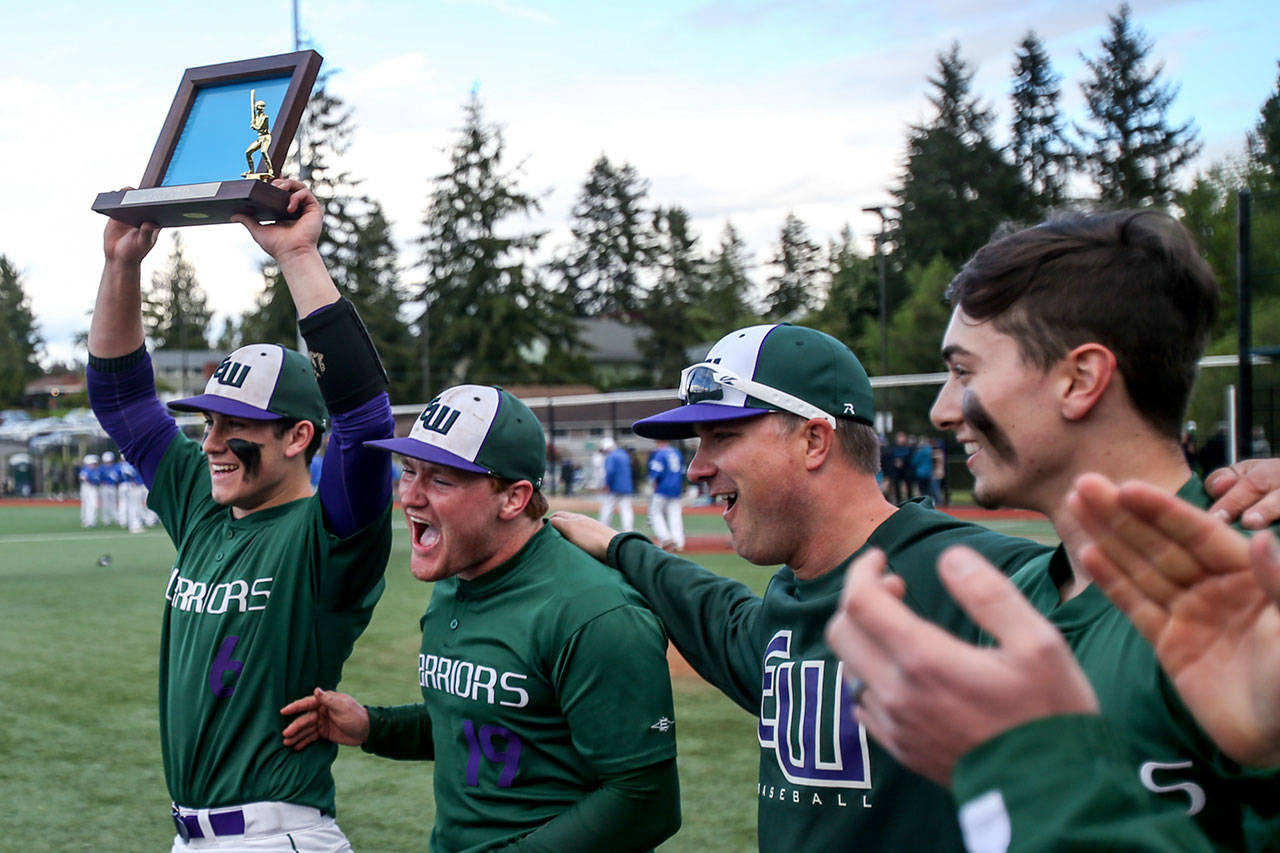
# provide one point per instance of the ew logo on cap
(231, 373)
(438, 417)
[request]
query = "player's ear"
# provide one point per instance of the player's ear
(298, 438)
(820, 439)
(1087, 372)
(514, 499)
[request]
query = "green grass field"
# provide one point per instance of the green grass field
(79, 743)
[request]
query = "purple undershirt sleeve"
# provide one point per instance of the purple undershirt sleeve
(126, 405)
(355, 481)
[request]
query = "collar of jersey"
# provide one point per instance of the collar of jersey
(494, 579)
(264, 515)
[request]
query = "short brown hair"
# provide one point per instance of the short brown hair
(858, 441)
(283, 425)
(536, 507)
(1130, 280)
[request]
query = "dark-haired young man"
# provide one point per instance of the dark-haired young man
(546, 699)
(272, 583)
(1072, 349)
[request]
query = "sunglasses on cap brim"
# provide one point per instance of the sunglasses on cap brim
(706, 381)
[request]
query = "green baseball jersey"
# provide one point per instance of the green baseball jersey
(1171, 755)
(258, 611)
(823, 784)
(1021, 791)
(537, 677)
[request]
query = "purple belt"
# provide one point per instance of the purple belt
(229, 822)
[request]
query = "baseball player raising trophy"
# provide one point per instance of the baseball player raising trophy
(272, 583)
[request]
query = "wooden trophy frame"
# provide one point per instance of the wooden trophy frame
(169, 196)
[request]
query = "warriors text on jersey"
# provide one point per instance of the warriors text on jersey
(537, 677)
(258, 611)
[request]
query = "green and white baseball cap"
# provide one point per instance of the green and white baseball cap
(480, 428)
(767, 368)
(262, 382)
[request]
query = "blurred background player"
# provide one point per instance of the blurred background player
(90, 477)
(109, 479)
(666, 507)
(618, 486)
(546, 697)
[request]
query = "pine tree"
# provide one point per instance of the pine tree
(1131, 151)
(175, 311)
(796, 288)
(957, 187)
(853, 297)
(1264, 139)
(229, 339)
(355, 243)
(1039, 145)
(488, 316)
(602, 270)
(675, 308)
(20, 341)
(729, 286)
(372, 281)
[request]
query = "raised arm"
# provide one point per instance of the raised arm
(120, 381)
(292, 243)
(355, 484)
(116, 327)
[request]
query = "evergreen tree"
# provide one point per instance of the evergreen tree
(957, 187)
(1132, 153)
(488, 317)
(1264, 139)
(175, 311)
(1040, 149)
(796, 288)
(602, 270)
(355, 243)
(371, 280)
(273, 318)
(675, 308)
(727, 299)
(853, 297)
(20, 341)
(229, 339)
(914, 331)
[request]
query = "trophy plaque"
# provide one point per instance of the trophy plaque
(226, 136)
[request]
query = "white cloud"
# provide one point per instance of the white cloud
(735, 110)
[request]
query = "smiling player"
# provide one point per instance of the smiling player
(271, 585)
(547, 702)
(1072, 349)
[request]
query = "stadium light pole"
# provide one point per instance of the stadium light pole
(884, 327)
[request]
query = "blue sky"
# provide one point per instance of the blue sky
(740, 110)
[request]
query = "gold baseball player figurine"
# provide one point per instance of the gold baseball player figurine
(261, 123)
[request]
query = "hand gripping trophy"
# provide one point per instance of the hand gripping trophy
(261, 124)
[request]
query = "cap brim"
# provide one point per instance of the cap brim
(678, 422)
(222, 406)
(415, 449)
